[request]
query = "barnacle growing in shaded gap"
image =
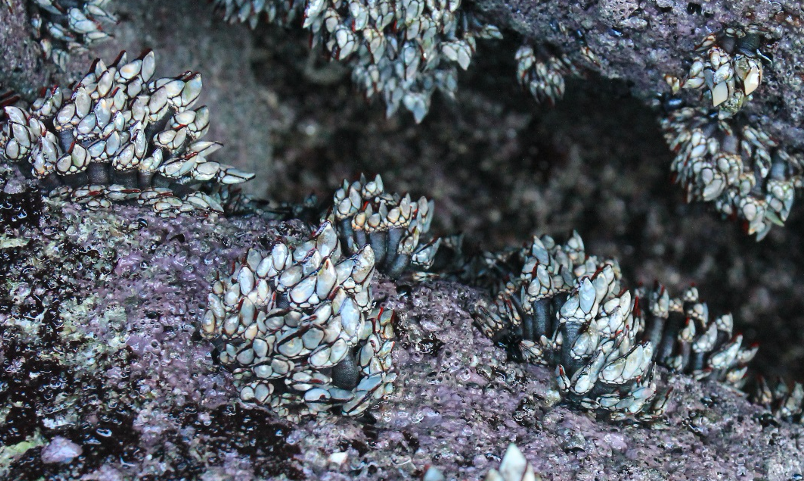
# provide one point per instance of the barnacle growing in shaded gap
(118, 135)
(784, 402)
(685, 339)
(542, 72)
(729, 66)
(459, 261)
(364, 214)
(568, 310)
(403, 51)
(299, 328)
(724, 159)
(63, 26)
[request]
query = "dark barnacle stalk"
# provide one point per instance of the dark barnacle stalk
(63, 26)
(723, 159)
(118, 135)
(392, 225)
(299, 328)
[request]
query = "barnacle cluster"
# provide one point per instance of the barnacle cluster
(729, 66)
(392, 225)
(280, 12)
(299, 329)
(568, 310)
(686, 340)
(724, 159)
(403, 51)
(119, 135)
(63, 26)
(784, 403)
(543, 73)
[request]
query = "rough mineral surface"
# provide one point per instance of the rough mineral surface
(642, 41)
(112, 379)
(499, 167)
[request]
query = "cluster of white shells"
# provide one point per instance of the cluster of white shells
(567, 309)
(543, 73)
(723, 159)
(392, 225)
(119, 135)
(65, 26)
(299, 328)
(687, 340)
(401, 50)
(728, 66)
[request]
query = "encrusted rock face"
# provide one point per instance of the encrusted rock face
(300, 330)
(63, 26)
(402, 51)
(364, 214)
(725, 160)
(686, 340)
(119, 135)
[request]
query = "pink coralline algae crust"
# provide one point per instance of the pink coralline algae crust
(161, 405)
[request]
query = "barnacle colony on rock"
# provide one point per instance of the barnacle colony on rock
(403, 50)
(118, 135)
(567, 309)
(66, 25)
(392, 225)
(729, 66)
(724, 159)
(299, 328)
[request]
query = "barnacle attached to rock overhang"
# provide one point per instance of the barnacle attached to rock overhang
(724, 159)
(566, 309)
(542, 72)
(299, 328)
(686, 340)
(118, 135)
(729, 66)
(364, 214)
(280, 12)
(63, 26)
(403, 51)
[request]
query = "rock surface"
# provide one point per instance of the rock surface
(108, 378)
(115, 349)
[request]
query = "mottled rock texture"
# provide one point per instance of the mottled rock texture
(499, 167)
(107, 378)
